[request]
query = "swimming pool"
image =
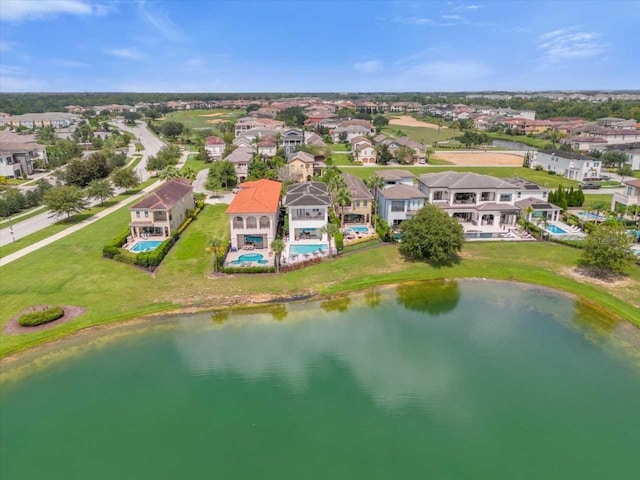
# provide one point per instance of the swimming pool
(591, 216)
(146, 246)
(250, 257)
(302, 249)
(357, 229)
(556, 230)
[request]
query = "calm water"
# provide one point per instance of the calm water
(474, 380)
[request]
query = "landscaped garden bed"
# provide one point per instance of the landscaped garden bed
(41, 317)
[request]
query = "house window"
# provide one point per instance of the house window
(505, 197)
(437, 195)
(146, 214)
(397, 206)
(251, 222)
(365, 203)
(137, 213)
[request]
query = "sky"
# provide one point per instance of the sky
(318, 46)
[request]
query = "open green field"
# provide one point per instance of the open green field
(201, 118)
(541, 178)
(338, 147)
(71, 271)
(424, 135)
(340, 159)
(591, 200)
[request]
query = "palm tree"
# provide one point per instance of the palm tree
(214, 247)
(277, 245)
(529, 211)
(331, 229)
(343, 198)
(599, 207)
(375, 183)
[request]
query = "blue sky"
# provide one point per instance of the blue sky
(235, 46)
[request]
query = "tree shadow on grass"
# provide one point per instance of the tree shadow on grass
(450, 262)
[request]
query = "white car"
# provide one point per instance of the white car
(235, 190)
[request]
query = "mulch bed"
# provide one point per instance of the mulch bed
(12, 327)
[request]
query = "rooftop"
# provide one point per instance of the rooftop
(307, 194)
(260, 196)
(455, 180)
(401, 192)
(166, 196)
(567, 155)
(356, 187)
(393, 175)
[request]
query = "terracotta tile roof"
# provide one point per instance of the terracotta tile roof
(213, 140)
(166, 196)
(260, 196)
(633, 183)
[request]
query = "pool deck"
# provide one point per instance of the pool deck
(234, 256)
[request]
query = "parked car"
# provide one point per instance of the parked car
(237, 189)
(590, 186)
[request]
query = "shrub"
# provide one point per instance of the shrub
(361, 243)
(40, 317)
(247, 269)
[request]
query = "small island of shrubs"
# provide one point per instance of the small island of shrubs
(39, 317)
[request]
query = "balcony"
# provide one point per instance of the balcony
(626, 199)
(310, 216)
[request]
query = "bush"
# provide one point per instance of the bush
(539, 168)
(247, 269)
(40, 317)
(361, 243)
(111, 249)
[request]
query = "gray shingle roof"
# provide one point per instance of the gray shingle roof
(393, 175)
(241, 155)
(357, 187)
(401, 192)
(307, 194)
(457, 180)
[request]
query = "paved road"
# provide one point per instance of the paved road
(152, 146)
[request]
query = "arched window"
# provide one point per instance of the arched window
(238, 222)
(264, 222)
(251, 222)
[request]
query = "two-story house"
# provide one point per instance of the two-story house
(214, 146)
(630, 196)
(308, 213)
(473, 198)
(399, 202)
(161, 212)
(570, 165)
(303, 166)
(290, 140)
(241, 157)
(418, 151)
(267, 146)
(392, 176)
(359, 211)
(253, 214)
(363, 150)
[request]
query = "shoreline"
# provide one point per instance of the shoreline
(264, 300)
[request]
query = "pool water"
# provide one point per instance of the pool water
(250, 257)
(146, 246)
(591, 216)
(302, 249)
(556, 230)
(358, 229)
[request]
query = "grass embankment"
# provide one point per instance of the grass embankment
(541, 178)
(69, 222)
(531, 141)
(202, 118)
(71, 271)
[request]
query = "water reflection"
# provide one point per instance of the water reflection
(438, 298)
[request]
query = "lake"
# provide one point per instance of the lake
(460, 380)
(512, 145)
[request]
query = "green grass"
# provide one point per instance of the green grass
(424, 135)
(68, 222)
(590, 200)
(609, 184)
(24, 215)
(532, 142)
(71, 271)
(16, 181)
(541, 178)
(195, 164)
(196, 118)
(340, 159)
(338, 147)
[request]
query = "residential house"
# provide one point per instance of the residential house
(19, 154)
(254, 213)
(39, 120)
(247, 139)
(161, 212)
(291, 140)
(418, 151)
(630, 196)
(308, 213)
(585, 144)
(312, 138)
(359, 211)
(527, 189)
(473, 198)
(241, 157)
(267, 146)
(393, 177)
(570, 165)
(363, 150)
(214, 146)
(352, 129)
(245, 124)
(398, 203)
(303, 166)
(540, 209)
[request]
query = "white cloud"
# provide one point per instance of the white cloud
(162, 23)
(127, 53)
(567, 43)
(370, 66)
(17, 10)
(413, 20)
(61, 62)
(452, 17)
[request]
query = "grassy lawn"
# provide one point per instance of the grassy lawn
(427, 136)
(541, 178)
(68, 222)
(340, 159)
(198, 118)
(338, 147)
(195, 164)
(71, 271)
(532, 142)
(591, 200)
